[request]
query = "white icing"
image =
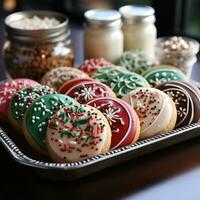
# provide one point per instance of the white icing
(75, 155)
(152, 124)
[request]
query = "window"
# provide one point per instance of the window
(192, 23)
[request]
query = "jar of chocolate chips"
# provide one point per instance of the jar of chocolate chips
(37, 41)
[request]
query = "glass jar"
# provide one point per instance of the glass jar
(103, 36)
(139, 29)
(31, 52)
(177, 51)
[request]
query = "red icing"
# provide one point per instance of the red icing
(8, 88)
(63, 89)
(90, 66)
(124, 120)
(86, 91)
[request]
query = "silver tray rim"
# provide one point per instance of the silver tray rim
(188, 132)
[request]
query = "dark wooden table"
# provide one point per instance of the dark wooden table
(172, 173)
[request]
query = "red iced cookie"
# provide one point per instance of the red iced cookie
(86, 91)
(63, 89)
(123, 120)
(7, 89)
(90, 66)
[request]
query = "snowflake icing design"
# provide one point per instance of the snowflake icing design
(181, 112)
(86, 93)
(89, 93)
(111, 114)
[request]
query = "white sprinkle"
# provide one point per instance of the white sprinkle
(72, 142)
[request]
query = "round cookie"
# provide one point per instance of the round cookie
(90, 66)
(123, 120)
(36, 118)
(7, 89)
(156, 111)
(134, 61)
(120, 80)
(160, 74)
(77, 132)
(63, 89)
(22, 100)
(58, 76)
(86, 91)
(187, 100)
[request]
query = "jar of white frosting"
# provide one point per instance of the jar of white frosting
(139, 29)
(103, 36)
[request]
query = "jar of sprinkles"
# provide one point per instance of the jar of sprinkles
(37, 41)
(177, 51)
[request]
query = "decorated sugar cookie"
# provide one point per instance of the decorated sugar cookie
(77, 132)
(120, 80)
(7, 89)
(187, 100)
(156, 111)
(90, 66)
(36, 118)
(22, 100)
(135, 61)
(86, 91)
(123, 120)
(63, 89)
(161, 74)
(58, 76)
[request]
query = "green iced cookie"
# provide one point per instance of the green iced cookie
(162, 73)
(37, 116)
(120, 80)
(22, 100)
(134, 61)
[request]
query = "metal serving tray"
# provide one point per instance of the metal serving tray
(16, 146)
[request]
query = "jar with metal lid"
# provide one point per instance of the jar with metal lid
(103, 36)
(139, 29)
(37, 41)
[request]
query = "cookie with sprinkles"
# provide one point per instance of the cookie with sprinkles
(86, 91)
(91, 65)
(135, 61)
(162, 73)
(120, 80)
(123, 120)
(58, 76)
(156, 111)
(22, 100)
(7, 89)
(36, 118)
(63, 89)
(77, 132)
(187, 100)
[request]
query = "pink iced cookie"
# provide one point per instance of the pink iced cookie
(7, 89)
(90, 66)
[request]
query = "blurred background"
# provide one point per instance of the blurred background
(173, 17)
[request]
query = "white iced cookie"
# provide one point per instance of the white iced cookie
(77, 132)
(156, 111)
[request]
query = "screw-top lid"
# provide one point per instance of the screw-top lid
(137, 13)
(103, 18)
(58, 29)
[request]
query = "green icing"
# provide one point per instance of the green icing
(40, 112)
(158, 76)
(134, 61)
(22, 100)
(120, 80)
